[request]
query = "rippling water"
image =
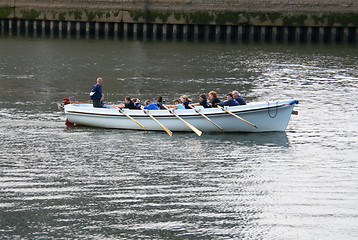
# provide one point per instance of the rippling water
(93, 183)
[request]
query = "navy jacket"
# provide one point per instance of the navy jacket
(160, 105)
(205, 104)
(186, 104)
(231, 102)
(96, 93)
(130, 105)
(240, 100)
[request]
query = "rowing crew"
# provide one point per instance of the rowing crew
(232, 99)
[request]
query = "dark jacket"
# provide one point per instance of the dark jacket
(240, 100)
(231, 102)
(130, 105)
(160, 105)
(214, 102)
(96, 93)
(205, 104)
(186, 104)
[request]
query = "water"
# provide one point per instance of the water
(119, 184)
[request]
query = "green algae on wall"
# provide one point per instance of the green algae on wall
(77, 14)
(294, 20)
(181, 17)
(30, 14)
(198, 18)
(6, 11)
(336, 19)
(227, 18)
(92, 16)
(149, 16)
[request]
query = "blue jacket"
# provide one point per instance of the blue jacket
(240, 100)
(231, 102)
(151, 106)
(186, 104)
(96, 93)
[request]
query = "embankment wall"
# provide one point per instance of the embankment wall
(235, 20)
(213, 12)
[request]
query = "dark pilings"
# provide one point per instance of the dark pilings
(178, 32)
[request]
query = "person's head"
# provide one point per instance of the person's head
(202, 96)
(235, 94)
(229, 96)
(176, 101)
(147, 102)
(213, 94)
(159, 99)
(99, 81)
(135, 100)
(127, 99)
(185, 98)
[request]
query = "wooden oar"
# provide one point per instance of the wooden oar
(197, 131)
(128, 116)
(202, 114)
(237, 116)
(165, 129)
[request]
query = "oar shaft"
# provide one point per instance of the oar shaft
(128, 116)
(237, 116)
(202, 114)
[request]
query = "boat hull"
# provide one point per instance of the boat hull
(268, 116)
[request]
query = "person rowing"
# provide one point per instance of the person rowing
(128, 103)
(238, 98)
(176, 105)
(186, 101)
(230, 101)
(150, 106)
(136, 102)
(213, 99)
(160, 102)
(203, 102)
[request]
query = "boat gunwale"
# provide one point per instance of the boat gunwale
(195, 114)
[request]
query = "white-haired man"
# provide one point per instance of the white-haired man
(238, 98)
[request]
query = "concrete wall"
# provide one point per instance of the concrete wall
(320, 13)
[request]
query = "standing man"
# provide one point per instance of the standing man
(238, 98)
(96, 94)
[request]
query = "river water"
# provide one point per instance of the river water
(71, 183)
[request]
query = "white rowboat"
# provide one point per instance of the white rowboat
(266, 116)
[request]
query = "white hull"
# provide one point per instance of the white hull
(267, 116)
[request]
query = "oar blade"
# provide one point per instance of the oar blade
(194, 129)
(170, 133)
(165, 128)
(197, 131)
